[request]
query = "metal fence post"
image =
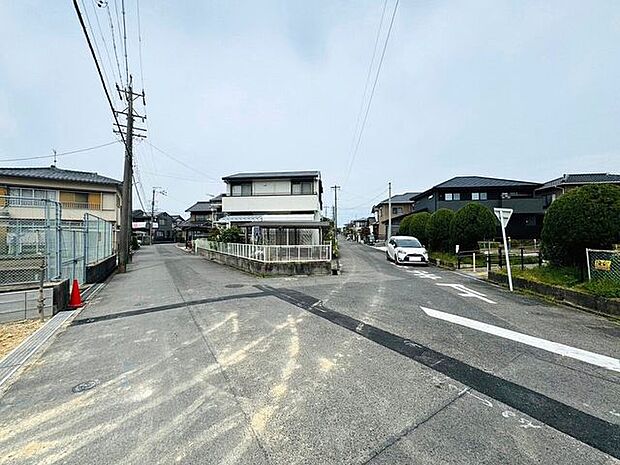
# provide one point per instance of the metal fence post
(588, 264)
(540, 260)
(522, 264)
(499, 256)
(41, 300)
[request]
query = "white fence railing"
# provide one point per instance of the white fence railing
(269, 253)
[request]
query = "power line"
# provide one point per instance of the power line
(125, 40)
(370, 67)
(92, 52)
(372, 92)
(105, 44)
(181, 162)
(71, 152)
(107, 79)
(118, 64)
(140, 43)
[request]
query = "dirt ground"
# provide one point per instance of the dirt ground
(11, 334)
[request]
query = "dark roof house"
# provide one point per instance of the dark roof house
(57, 174)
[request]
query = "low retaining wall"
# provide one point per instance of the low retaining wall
(98, 272)
(579, 299)
(268, 269)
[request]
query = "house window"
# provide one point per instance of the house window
(302, 187)
(452, 196)
(25, 195)
(397, 210)
(483, 195)
(478, 195)
(448, 197)
(242, 190)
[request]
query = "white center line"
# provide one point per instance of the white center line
(592, 358)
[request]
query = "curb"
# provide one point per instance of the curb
(18, 357)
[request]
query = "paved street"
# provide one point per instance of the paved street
(193, 362)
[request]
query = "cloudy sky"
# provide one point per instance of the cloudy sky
(521, 90)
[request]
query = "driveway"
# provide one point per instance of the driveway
(181, 360)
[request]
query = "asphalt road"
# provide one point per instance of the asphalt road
(188, 362)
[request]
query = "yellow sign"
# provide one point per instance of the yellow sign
(602, 265)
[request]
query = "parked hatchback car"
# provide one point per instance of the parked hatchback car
(406, 250)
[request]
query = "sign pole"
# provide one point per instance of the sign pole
(504, 214)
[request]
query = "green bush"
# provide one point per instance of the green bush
(471, 224)
(232, 234)
(586, 217)
(213, 234)
(403, 228)
(438, 230)
(417, 226)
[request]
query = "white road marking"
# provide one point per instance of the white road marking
(467, 292)
(424, 274)
(592, 358)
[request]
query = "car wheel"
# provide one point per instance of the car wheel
(387, 256)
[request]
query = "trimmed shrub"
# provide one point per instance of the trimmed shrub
(417, 226)
(438, 230)
(232, 234)
(586, 217)
(403, 229)
(471, 224)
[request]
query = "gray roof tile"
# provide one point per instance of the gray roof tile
(57, 174)
(273, 175)
(583, 178)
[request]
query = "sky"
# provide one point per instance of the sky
(525, 90)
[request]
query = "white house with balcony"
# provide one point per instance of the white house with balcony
(275, 208)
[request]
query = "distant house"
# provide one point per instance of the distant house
(402, 205)
(202, 216)
(553, 189)
(78, 192)
(280, 208)
(140, 223)
(526, 221)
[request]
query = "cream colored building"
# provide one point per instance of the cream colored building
(277, 208)
(78, 192)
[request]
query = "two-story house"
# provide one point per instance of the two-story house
(78, 192)
(280, 208)
(202, 216)
(402, 205)
(526, 221)
(555, 188)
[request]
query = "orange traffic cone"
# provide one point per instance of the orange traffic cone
(76, 299)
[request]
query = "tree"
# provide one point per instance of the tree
(586, 217)
(403, 228)
(232, 234)
(471, 224)
(438, 230)
(417, 226)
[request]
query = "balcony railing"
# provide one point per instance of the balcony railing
(81, 205)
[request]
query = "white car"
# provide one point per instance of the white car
(406, 250)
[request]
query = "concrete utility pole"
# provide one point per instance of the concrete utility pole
(124, 242)
(163, 192)
(336, 207)
(389, 231)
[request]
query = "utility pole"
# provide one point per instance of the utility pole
(389, 231)
(163, 192)
(124, 242)
(336, 208)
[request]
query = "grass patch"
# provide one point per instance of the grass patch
(570, 278)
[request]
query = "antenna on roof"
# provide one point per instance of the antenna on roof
(54, 164)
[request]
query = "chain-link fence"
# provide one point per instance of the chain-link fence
(99, 241)
(33, 238)
(29, 239)
(603, 265)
